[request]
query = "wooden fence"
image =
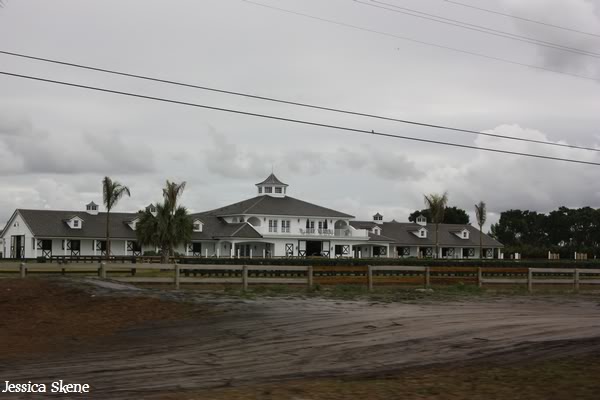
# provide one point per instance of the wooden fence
(370, 276)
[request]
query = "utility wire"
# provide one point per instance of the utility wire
(295, 121)
(439, 46)
(522, 18)
(306, 105)
(478, 28)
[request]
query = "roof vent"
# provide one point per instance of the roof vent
(92, 208)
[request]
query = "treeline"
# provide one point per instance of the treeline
(564, 231)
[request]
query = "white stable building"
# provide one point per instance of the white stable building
(271, 224)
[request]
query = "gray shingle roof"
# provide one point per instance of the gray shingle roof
(363, 224)
(401, 233)
(272, 180)
(268, 205)
(51, 224)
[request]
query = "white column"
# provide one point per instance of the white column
(265, 253)
(126, 247)
(250, 251)
(231, 254)
(206, 252)
(65, 246)
(187, 249)
(34, 248)
(94, 245)
(218, 250)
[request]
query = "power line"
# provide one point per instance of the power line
(477, 28)
(439, 46)
(296, 121)
(522, 18)
(306, 105)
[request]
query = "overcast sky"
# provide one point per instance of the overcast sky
(56, 143)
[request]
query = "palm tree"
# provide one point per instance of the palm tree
(171, 226)
(112, 192)
(481, 215)
(171, 194)
(436, 204)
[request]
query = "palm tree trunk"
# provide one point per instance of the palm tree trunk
(107, 235)
(437, 243)
(164, 254)
(480, 243)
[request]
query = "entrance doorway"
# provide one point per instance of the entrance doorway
(313, 248)
(17, 247)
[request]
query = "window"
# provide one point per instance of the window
(422, 233)
(320, 224)
(197, 227)
(268, 189)
(76, 223)
(272, 225)
(285, 226)
(465, 234)
(277, 190)
(260, 190)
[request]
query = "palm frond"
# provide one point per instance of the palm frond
(481, 213)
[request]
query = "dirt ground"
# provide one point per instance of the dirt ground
(130, 343)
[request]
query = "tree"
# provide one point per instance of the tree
(452, 215)
(112, 192)
(481, 215)
(170, 227)
(436, 204)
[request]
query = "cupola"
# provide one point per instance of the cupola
(151, 208)
(92, 208)
(272, 187)
(378, 218)
(422, 220)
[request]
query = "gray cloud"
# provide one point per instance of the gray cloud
(27, 150)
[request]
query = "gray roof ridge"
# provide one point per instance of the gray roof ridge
(260, 198)
(242, 226)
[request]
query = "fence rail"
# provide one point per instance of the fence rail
(371, 276)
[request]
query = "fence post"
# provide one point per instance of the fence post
(529, 280)
(370, 277)
(309, 273)
(427, 277)
(103, 270)
(576, 279)
(23, 270)
(479, 277)
(177, 276)
(245, 277)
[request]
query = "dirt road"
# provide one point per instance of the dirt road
(277, 339)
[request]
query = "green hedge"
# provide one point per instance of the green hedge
(319, 261)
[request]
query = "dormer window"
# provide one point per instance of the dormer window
(421, 220)
(74, 222)
(421, 233)
(268, 189)
(278, 190)
(133, 224)
(197, 227)
(259, 190)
